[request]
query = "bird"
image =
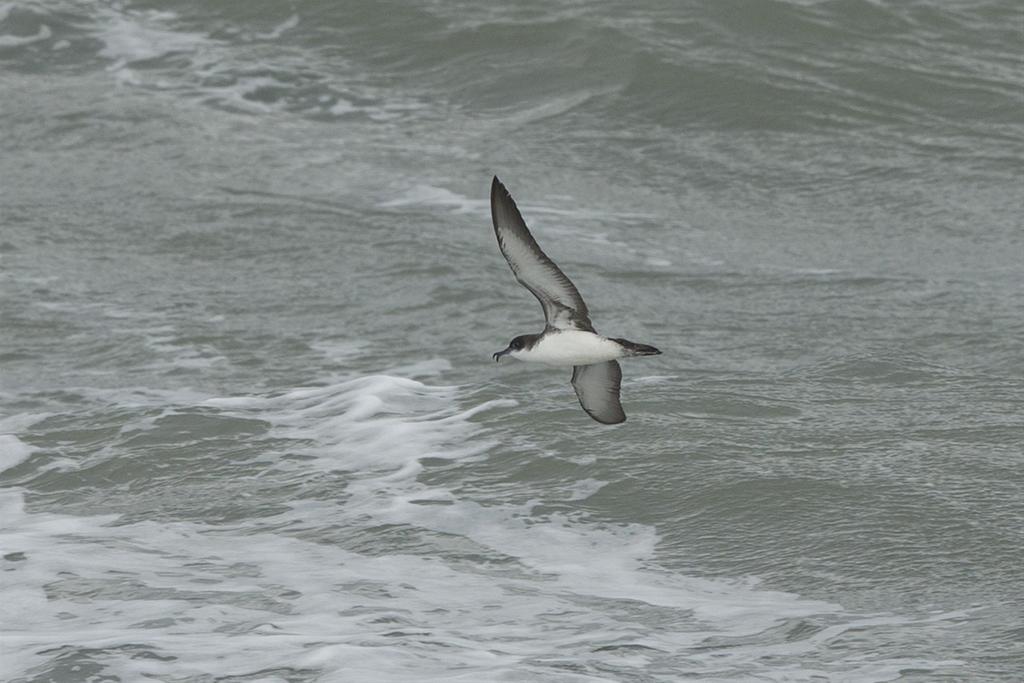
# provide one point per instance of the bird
(569, 338)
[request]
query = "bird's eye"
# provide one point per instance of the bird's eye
(516, 344)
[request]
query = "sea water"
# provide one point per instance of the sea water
(250, 429)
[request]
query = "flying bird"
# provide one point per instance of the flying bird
(569, 338)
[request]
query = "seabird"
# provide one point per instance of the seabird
(569, 337)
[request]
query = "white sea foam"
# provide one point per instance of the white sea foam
(12, 451)
(134, 42)
(525, 596)
(429, 195)
(136, 36)
(342, 107)
(286, 25)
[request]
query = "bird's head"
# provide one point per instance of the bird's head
(517, 346)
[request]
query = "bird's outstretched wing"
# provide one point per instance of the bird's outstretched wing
(597, 387)
(564, 308)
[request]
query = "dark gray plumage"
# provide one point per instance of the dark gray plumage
(564, 308)
(597, 388)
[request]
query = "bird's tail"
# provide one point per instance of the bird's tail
(634, 349)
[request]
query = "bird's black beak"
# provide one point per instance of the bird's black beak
(499, 354)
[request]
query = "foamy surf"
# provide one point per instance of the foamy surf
(367, 572)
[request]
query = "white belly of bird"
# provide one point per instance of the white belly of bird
(573, 347)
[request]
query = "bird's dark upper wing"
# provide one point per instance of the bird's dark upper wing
(597, 387)
(563, 306)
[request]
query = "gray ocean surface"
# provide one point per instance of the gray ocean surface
(250, 429)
